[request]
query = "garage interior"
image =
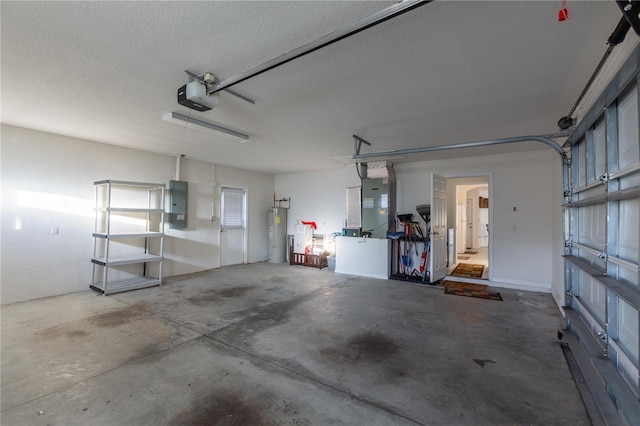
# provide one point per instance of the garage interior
(253, 212)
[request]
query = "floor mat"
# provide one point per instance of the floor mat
(466, 286)
(463, 257)
(470, 290)
(471, 252)
(468, 270)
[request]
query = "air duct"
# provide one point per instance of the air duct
(380, 169)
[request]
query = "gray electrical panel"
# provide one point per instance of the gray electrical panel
(378, 206)
(178, 190)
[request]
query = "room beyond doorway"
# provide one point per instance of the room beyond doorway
(474, 257)
(469, 221)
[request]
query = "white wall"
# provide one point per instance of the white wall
(317, 196)
(524, 258)
(196, 247)
(47, 181)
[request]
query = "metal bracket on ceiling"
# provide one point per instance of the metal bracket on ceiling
(631, 9)
(210, 80)
(357, 144)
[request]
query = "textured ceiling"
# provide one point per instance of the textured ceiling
(447, 72)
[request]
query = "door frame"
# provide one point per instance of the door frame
(245, 242)
(489, 176)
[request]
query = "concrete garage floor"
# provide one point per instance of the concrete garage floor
(267, 344)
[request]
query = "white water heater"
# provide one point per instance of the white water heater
(277, 235)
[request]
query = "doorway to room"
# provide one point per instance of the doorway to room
(470, 235)
(233, 207)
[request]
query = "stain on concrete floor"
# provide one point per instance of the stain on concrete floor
(58, 332)
(120, 316)
(217, 294)
(366, 347)
(483, 362)
(222, 409)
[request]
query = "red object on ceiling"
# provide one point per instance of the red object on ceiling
(563, 13)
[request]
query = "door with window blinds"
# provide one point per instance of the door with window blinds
(233, 226)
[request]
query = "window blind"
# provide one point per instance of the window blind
(232, 208)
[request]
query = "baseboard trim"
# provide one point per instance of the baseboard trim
(521, 285)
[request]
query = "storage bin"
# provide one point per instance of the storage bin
(331, 260)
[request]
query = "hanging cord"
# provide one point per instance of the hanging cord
(188, 120)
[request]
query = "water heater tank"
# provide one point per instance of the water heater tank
(277, 235)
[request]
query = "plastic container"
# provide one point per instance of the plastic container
(331, 263)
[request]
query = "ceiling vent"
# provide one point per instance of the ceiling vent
(380, 169)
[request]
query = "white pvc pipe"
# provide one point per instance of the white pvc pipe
(178, 163)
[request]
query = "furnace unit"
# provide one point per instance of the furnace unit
(378, 206)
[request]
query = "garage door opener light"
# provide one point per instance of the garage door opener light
(204, 126)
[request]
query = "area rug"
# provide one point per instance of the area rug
(466, 286)
(463, 257)
(471, 252)
(470, 290)
(468, 270)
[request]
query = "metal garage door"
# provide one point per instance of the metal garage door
(602, 232)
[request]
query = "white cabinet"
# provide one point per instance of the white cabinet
(128, 237)
(367, 257)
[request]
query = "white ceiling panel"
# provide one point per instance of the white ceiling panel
(447, 72)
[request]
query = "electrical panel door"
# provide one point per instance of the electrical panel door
(178, 204)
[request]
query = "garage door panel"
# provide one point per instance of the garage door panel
(628, 147)
(593, 226)
(600, 149)
(628, 332)
(629, 230)
(603, 236)
(593, 295)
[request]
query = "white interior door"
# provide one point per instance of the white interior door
(233, 224)
(470, 219)
(461, 228)
(438, 255)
